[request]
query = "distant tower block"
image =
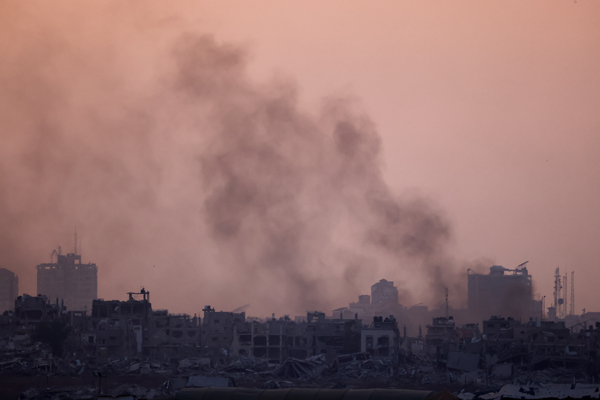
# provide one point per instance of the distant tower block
(69, 280)
(9, 289)
(384, 292)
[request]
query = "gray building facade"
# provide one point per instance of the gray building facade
(69, 280)
(9, 289)
(503, 292)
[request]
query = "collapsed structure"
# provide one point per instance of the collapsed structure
(220, 348)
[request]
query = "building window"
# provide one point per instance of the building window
(383, 341)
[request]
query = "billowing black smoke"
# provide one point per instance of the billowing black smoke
(184, 175)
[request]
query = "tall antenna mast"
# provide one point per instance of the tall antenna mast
(572, 292)
(565, 294)
(75, 242)
(447, 312)
(557, 288)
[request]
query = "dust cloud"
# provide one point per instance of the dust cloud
(184, 175)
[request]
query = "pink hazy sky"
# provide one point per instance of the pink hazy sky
(490, 109)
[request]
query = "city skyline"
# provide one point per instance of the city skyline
(473, 124)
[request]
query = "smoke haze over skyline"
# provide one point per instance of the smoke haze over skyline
(191, 165)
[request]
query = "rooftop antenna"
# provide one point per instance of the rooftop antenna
(75, 242)
(447, 313)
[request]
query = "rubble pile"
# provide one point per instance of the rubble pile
(537, 391)
(358, 370)
(55, 393)
(25, 358)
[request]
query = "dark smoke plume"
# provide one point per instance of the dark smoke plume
(184, 175)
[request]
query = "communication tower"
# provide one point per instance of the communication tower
(572, 311)
(557, 290)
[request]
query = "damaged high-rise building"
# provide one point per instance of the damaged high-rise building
(384, 292)
(69, 280)
(503, 292)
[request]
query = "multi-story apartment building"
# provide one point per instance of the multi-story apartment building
(69, 280)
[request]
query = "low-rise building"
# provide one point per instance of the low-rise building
(381, 338)
(275, 339)
(130, 328)
(332, 337)
(30, 310)
(218, 327)
(442, 330)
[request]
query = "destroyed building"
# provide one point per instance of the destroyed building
(503, 291)
(171, 335)
(218, 327)
(497, 326)
(332, 337)
(131, 328)
(129, 338)
(274, 340)
(30, 310)
(70, 280)
(442, 330)
(117, 327)
(9, 289)
(381, 338)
